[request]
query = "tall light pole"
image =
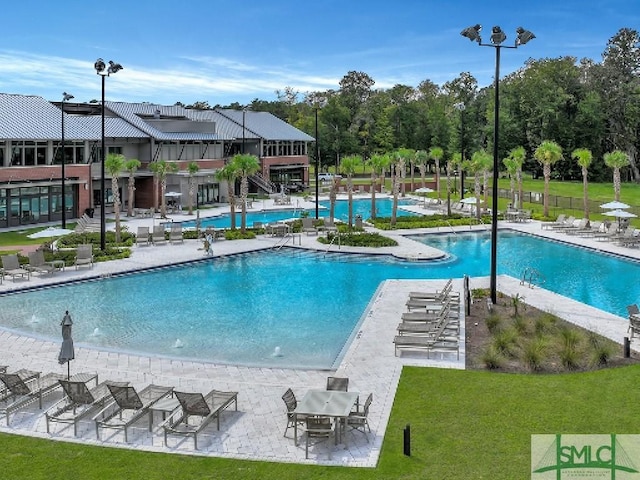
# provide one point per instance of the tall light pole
(317, 102)
(244, 114)
(104, 71)
(497, 38)
(65, 98)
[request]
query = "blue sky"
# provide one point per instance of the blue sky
(223, 52)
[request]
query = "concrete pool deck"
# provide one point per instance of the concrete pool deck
(255, 432)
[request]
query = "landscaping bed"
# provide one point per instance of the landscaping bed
(517, 338)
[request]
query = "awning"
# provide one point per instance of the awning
(288, 167)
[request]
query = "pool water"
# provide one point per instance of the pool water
(360, 207)
(290, 308)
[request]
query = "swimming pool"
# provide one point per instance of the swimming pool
(245, 309)
(360, 207)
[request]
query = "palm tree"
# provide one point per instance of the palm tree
(192, 169)
(480, 161)
(131, 166)
(511, 170)
(160, 170)
(584, 157)
(406, 154)
(421, 160)
(547, 153)
(349, 166)
(451, 163)
(244, 166)
(397, 166)
(436, 153)
(114, 165)
(378, 164)
(616, 160)
(228, 174)
(517, 157)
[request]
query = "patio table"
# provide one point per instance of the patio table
(325, 403)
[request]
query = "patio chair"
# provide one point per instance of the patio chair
(129, 407)
(634, 320)
(329, 225)
(318, 429)
(24, 374)
(84, 256)
(308, 227)
(23, 393)
(142, 236)
(568, 222)
(206, 407)
(558, 221)
(338, 383)
(158, 237)
(358, 419)
(440, 295)
(79, 402)
(175, 234)
(11, 267)
(37, 264)
(290, 401)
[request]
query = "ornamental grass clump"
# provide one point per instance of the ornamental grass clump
(491, 358)
(534, 353)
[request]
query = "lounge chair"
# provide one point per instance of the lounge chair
(11, 266)
(634, 320)
(329, 225)
(610, 232)
(558, 221)
(22, 393)
(206, 407)
(142, 236)
(158, 237)
(569, 222)
(24, 374)
(175, 234)
(582, 225)
(308, 227)
(79, 402)
(84, 256)
(436, 295)
(37, 263)
(593, 228)
(291, 402)
(129, 406)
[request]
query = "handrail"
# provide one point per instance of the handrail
(532, 277)
(337, 235)
(451, 227)
(282, 242)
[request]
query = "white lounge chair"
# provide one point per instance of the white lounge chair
(11, 267)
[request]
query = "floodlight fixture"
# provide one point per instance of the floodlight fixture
(524, 36)
(497, 35)
(472, 33)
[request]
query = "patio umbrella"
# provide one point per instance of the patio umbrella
(620, 214)
(50, 232)
(67, 352)
(615, 205)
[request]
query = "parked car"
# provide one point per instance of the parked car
(327, 177)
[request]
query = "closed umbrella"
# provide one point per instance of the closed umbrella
(67, 352)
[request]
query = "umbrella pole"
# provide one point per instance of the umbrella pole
(68, 370)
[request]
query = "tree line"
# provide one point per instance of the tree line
(578, 104)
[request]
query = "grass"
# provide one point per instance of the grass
(464, 424)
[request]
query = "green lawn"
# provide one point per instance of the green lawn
(464, 424)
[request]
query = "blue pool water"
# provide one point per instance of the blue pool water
(360, 207)
(238, 309)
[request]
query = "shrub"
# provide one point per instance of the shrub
(533, 353)
(601, 352)
(491, 358)
(505, 342)
(570, 337)
(493, 322)
(570, 357)
(521, 325)
(544, 323)
(374, 240)
(238, 235)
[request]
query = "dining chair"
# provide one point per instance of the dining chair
(290, 401)
(318, 429)
(338, 383)
(358, 419)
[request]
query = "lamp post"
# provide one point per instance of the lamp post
(244, 113)
(460, 106)
(317, 102)
(104, 71)
(65, 98)
(497, 38)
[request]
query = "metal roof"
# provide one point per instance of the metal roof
(266, 125)
(114, 127)
(28, 117)
(132, 112)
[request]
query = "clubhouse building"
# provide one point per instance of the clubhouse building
(32, 153)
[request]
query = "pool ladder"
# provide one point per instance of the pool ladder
(532, 277)
(337, 235)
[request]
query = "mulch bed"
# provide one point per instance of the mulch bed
(478, 339)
